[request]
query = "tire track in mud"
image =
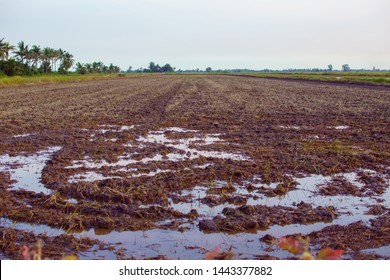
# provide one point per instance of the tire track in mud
(155, 103)
(219, 100)
(201, 99)
(182, 95)
(183, 108)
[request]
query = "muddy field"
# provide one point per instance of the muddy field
(171, 166)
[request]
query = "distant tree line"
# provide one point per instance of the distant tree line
(344, 68)
(25, 60)
(153, 68)
(96, 67)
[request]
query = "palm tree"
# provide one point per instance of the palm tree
(89, 67)
(61, 55)
(36, 53)
(97, 67)
(52, 55)
(67, 62)
(69, 59)
(21, 51)
(46, 56)
(55, 56)
(2, 49)
(5, 49)
(81, 68)
(29, 58)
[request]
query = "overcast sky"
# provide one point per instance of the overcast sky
(257, 34)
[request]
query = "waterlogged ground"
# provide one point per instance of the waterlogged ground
(171, 167)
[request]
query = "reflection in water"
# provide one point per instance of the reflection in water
(383, 251)
(26, 170)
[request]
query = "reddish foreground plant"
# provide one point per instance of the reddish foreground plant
(295, 245)
(300, 246)
(216, 254)
(35, 252)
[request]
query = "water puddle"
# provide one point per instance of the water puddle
(339, 127)
(313, 137)
(22, 135)
(193, 244)
(89, 176)
(383, 251)
(37, 229)
(307, 191)
(176, 129)
(111, 140)
(351, 208)
(289, 127)
(189, 145)
(176, 245)
(110, 128)
(196, 196)
(26, 170)
(159, 137)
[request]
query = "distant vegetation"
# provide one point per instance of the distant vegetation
(23, 60)
(153, 68)
(96, 67)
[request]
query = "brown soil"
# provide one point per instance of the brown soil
(255, 116)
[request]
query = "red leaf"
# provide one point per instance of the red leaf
(212, 254)
(329, 254)
(307, 256)
(25, 254)
(293, 245)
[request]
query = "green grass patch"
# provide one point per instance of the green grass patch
(6, 81)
